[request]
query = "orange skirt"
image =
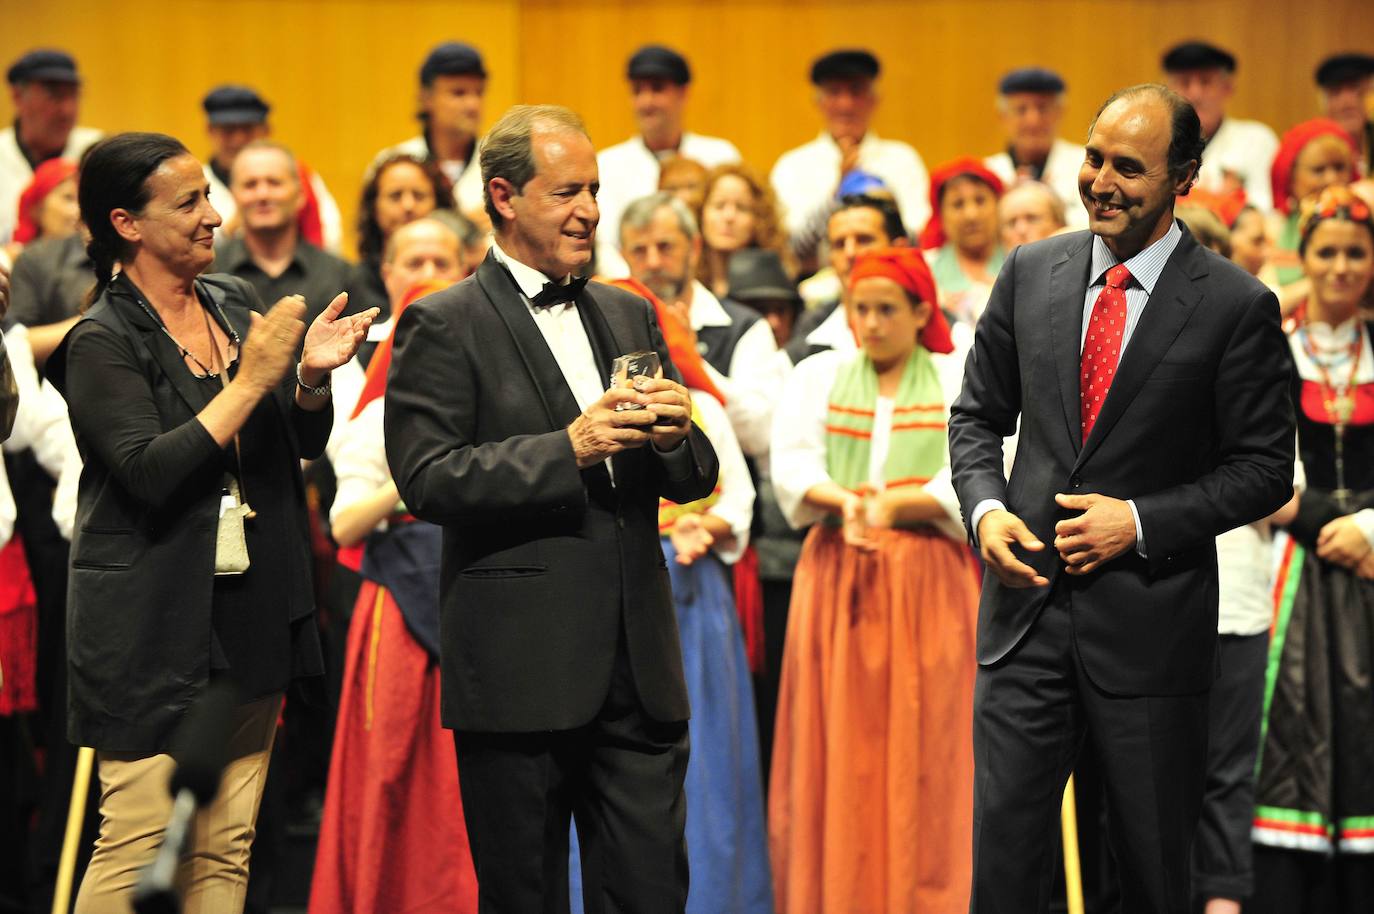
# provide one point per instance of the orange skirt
(870, 804)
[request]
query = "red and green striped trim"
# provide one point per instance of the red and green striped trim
(1292, 828)
(1285, 592)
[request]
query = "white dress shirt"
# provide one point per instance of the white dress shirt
(1060, 174)
(805, 180)
(331, 222)
(1246, 149)
(1145, 268)
(753, 381)
(562, 329)
(799, 437)
(628, 171)
(41, 424)
(16, 173)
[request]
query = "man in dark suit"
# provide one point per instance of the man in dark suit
(562, 673)
(1099, 611)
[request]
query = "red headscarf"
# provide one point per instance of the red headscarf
(46, 177)
(1291, 146)
(678, 338)
(967, 167)
(375, 385)
(908, 269)
(1226, 206)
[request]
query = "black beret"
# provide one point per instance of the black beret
(43, 65)
(654, 61)
(228, 105)
(852, 63)
(452, 58)
(1343, 68)
(757, 274)
(1031, 79)
(1197, 55)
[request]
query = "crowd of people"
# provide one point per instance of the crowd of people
(391, 493)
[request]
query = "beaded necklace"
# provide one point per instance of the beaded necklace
(1337, 399)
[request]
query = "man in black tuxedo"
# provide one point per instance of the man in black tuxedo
(562, 673)
(1099, 611)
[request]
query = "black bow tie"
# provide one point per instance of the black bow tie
(556, 293)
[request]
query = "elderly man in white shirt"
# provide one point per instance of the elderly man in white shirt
(659, 82)
(660, 241)
(808, 179)
(1030, 102)
(1238, 153)
(46, 92)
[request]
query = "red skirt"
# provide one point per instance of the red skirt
(18, 632)
(392, 839)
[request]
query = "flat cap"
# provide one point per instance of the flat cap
(1031, 79)
(43, 65)
(654, 61)
(757, 274)
(1197, 55)
(1343, 68)
(227, 106)
(848, 63)
(452, 58)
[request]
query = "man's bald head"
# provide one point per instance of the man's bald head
(419, 251)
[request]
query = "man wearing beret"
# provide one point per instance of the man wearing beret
(1030, 102)
(659, 81)
(453, 80)
(807, 179)
(46, 91)
(237, 116)
(1238, 152)
(1345, 81)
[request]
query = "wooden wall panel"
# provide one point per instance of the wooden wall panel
(341, 73)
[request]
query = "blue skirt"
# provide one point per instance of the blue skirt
(727, 836)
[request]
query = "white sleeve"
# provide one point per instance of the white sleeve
(1258, 188)
(28, 419)
(751, 387)
(360, 459)
(911, 187)
(64, 499)
(736, 503)
(802, 196)
(798, 451)
(950, 368)
(7, 509)
(347, 382)
(331, 222)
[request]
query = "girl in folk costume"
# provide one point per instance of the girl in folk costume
(392, 838)
(872, 776)
(1314, 816)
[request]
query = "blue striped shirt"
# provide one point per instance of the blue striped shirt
(1145, 268)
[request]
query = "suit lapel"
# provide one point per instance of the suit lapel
(1068, 286)
(554, 393)
(1166, 312)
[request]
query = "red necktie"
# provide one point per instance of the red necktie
(1102, 348)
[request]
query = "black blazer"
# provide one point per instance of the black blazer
(1197, 428)
(141, 576)
(542, 561)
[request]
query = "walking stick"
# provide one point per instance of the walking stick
(76, 817)
(1073, 872)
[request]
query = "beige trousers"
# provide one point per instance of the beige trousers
(134, 808)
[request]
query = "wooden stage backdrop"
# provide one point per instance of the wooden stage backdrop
(341, 74)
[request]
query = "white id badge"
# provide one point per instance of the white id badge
(227, 503)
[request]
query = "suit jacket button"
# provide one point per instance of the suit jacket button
(620, 522)
(1076, 481)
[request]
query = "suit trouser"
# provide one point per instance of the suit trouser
(1032, 711)
(620, 778)
(135, 805)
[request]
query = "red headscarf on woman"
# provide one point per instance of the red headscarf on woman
(678, 338)
(933, 236)
(1291, 146)
(908, 269)
(375, 385)
(46, 177)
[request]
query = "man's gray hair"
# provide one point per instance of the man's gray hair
(276, 147)
(506, 151)
(641, 212)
